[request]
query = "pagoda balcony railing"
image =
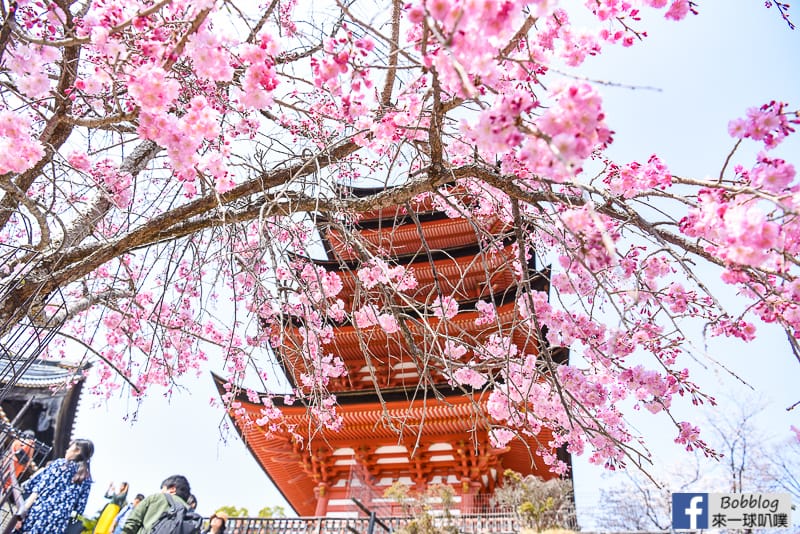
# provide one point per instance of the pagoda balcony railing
(466, 524)
(496, 523)
(478, 505)
(469, 512)
(329, 525)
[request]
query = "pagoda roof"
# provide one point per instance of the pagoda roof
(39, 374)
(370, 351)
(467, 274)
(404, 238)
(437, 437)
(468, 249)
(420, 205)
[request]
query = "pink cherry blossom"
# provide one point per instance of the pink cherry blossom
(453, 350)
(768, 123)
(678, 10)
(486, 311)
(469, 377)
(388, 323)
(500, 437)
(773, 175)
(152, 89)
(29, 64)
(209, 56)
(445, 307)
(19, 151)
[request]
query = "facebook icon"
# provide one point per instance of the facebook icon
(689, 511)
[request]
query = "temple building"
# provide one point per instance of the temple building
(38, 404)
(404, 419)
(43, 399)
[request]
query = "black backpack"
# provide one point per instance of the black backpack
(178, 519)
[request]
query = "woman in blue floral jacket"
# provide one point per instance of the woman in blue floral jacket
(61, 490)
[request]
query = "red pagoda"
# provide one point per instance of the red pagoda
(403, 420)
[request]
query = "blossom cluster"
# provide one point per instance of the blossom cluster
(19, 151)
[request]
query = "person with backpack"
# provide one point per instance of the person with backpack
(166, 512)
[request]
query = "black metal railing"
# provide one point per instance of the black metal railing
(26, 331)
(20, 455)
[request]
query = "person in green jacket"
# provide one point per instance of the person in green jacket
(142, 518)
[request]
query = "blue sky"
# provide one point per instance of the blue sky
(709, 69)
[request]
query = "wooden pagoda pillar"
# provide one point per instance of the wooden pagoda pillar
(322, 494)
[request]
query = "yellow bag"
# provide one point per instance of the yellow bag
(106, 519)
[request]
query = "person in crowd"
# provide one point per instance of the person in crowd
(117, 499)
(59, 491)
(122, 516)
(142, 518)
(192, 502)
(18, 458)
(217, 523)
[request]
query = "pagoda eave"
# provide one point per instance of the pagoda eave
(440, 234)
(362, 349)
(443, 439)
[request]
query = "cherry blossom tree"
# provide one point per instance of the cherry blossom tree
(167, 167)
(752, 461)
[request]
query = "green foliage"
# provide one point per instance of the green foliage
(539, 504)
(88, 524)
(233, 511)
(272, 511)
(534, 513)
(420, 506)
(425, 524)
(267, 511)
(547, 531)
